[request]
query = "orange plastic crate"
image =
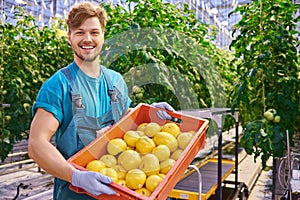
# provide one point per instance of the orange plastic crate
(140, 114)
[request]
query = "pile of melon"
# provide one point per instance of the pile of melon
(142, 158)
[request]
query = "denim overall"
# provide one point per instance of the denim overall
(82, 130)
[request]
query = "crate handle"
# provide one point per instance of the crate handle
(176, 120)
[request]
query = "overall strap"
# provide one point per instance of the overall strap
(112, 92)
(75, 95)
(111, 89)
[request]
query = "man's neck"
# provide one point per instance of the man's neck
(89, 68)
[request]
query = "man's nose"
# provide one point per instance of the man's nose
(88, 37)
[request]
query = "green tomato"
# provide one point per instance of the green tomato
(7, 117)
(139, 95)
(277, 119)
(197, 86)
(4, 92)
(268, 115)
(136, 89)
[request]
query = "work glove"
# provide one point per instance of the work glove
(92, 182)
(161, 113)
(102, 130)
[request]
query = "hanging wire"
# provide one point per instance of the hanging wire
(46, 8)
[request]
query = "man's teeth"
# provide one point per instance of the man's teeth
(87, 47)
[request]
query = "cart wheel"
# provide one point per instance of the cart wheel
(244, 192)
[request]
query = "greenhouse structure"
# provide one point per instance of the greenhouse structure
(150, 99)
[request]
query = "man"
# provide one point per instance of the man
(76, 102)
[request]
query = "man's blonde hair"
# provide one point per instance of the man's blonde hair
(83, 11)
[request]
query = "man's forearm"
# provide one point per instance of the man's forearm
(50, 159)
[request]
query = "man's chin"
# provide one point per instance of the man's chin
(88, 59)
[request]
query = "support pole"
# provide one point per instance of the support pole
(236, 153)
(219, 190)
(274, 169)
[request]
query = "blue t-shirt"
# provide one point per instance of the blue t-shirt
(54, 95)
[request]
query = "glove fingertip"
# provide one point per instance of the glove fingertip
(104, 179)
(167, 116)
(171, 109)
(110, 191)
(107, 190)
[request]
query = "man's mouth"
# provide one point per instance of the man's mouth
(87, 47)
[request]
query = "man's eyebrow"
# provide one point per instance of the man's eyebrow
(78, 29)
(88, 29)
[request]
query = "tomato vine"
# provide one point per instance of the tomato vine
(267, 60)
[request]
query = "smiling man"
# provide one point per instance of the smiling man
(75, 103)
(76, 96)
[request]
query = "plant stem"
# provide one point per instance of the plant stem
(263, 73)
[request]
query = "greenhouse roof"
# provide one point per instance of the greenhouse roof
(208, 11)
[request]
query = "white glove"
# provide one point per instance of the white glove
(161, 113)
(93, 182)
(102, 130)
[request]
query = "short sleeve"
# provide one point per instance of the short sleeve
(52, 95)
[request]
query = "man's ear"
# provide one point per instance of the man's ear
(69, 37)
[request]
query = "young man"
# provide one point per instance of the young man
(74, 103)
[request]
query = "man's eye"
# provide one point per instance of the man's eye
(95, 33)
(79, 33)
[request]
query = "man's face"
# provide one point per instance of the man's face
(87, 40)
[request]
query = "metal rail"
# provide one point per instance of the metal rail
(217, 114)
(199, 180)
(22, 163)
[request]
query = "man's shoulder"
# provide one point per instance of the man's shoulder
(112, 71)
(57, 77)
(60, 74)
(114, 75)
(58, 80)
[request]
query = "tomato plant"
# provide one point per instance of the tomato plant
(158, 47)
(268, 68)
(167, 52)
(29, 55)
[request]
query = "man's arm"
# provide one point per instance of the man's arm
(40, 149)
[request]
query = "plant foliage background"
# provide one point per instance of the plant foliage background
(264, 61)
(31, 54)
(267, 64)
